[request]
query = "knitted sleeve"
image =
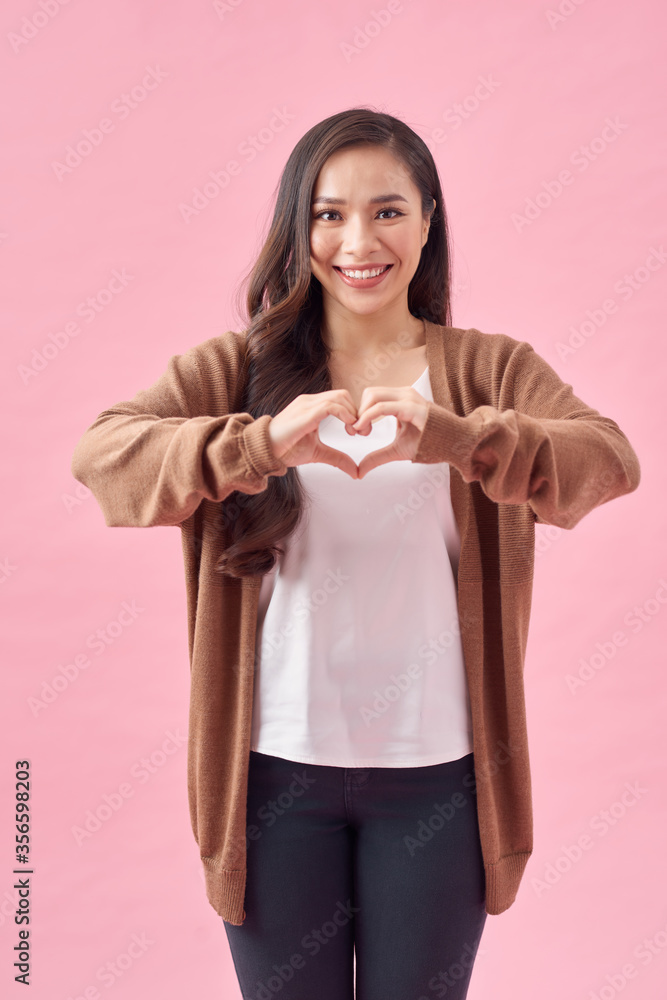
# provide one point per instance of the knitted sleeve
(535, 442)
(152, 460)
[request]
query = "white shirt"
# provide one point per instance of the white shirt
(360, 662)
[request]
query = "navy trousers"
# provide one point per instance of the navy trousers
(361, 882)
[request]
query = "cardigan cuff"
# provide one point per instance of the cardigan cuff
(258, 449)
(447, 437)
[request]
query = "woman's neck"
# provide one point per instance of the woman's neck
(372, 339)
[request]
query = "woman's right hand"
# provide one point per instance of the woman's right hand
(294, 430)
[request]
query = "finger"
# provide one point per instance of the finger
(387, 408)
(364, 430)
(344, 411)
(338, 459)
(376, 458)
(405, 404)
(372, 395)
(341, 397)
(318, 411)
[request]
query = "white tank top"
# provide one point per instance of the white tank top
(359, 656)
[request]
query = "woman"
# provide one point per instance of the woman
(358, 603)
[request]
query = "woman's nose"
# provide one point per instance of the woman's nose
(357, 238)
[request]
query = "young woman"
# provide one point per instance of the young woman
(357, 484)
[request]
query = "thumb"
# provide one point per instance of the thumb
(338, 459)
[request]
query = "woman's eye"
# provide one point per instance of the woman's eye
(331, 211)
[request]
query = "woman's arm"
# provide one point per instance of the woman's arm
(539, 444)
(152, 460)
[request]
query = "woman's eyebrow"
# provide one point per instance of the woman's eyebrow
(371, 201)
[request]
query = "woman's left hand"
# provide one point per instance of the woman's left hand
(410, 410)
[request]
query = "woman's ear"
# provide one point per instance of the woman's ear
(427, 224)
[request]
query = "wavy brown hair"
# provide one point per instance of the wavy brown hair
(285, 353)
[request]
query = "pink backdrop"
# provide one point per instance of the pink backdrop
(547, 124)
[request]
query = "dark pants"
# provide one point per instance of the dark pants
(381, 866)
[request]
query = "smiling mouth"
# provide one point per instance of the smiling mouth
(369, 272)
(364, 283)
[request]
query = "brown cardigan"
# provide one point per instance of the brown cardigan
(521, 446)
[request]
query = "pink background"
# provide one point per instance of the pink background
(218, 77)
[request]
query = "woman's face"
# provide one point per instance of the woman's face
(349, 228)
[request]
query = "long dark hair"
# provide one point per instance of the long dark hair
(285, 353)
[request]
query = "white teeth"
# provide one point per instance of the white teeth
(364, 274)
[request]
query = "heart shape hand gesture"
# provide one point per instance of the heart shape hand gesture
(294, 431)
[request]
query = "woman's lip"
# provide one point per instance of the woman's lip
(366, 267)
(364, 282)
